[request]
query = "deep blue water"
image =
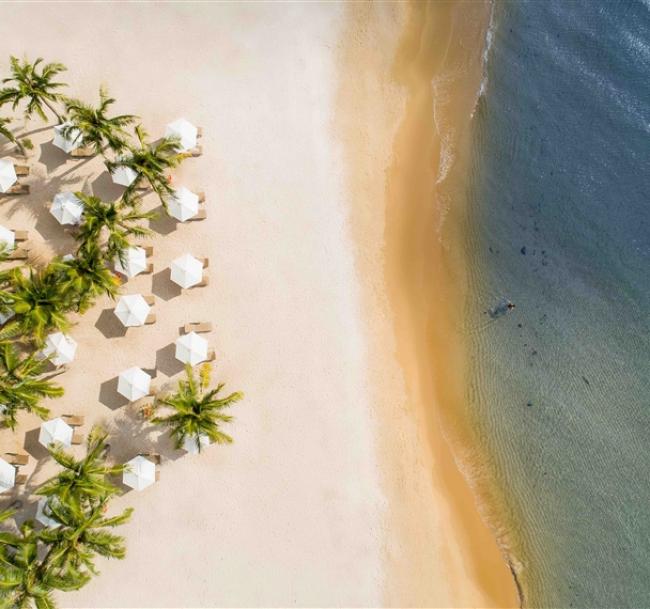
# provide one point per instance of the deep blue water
(560, 225)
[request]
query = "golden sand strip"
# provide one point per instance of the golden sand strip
(410, 111)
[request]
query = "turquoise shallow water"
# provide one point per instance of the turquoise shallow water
(560, 225)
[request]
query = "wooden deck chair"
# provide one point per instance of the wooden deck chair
(148, 250)
(83, 152)
(21, 235)
(202, 214)
(20, 253)
(18, 458)
(21, 170)
(151, 319)
(21, 479)
(204, 282)
(198, 327)
(211, 356)
(157, 475)
(201, 196)
(199, 132)
(74, 420)
(77, 438)
(149, 269)
(205, 261)
(150, 299)
(17, 189)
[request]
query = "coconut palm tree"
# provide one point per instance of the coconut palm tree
(196, 410)
(86, 276)
(26, 576)
(39, 301)
(22, 385)
(82, 483)
(151, 161)
(97, 129)
(36, 87)
(82, 535)
(111, 224)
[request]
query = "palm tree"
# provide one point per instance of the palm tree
(151, 161)
(39, 302)
(97, 129)
(86, 276)
(113, 223)
(22, 386)
(25, 577)
(35, 87)
(8, 134)
(196, 410)
(83, 534)
(82, 483)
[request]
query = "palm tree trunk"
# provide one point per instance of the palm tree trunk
(53, 110)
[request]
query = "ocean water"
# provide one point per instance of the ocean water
(559, 224)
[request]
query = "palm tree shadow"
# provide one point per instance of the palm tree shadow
(109, 325)
(109, 396)
(35, 131)
(163, 286)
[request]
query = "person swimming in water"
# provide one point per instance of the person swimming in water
(502, 307)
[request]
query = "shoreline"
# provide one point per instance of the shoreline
(425, 101)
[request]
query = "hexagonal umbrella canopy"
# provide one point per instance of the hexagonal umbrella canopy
(59, 348)
(133, 384)
(135, 261)
(42, 516)
(67, 208)
(185, 131)
(7, 476)
(139, 473)
(7, 238)
(186, 271)
(8, 175)
(183, 205)
(55, 430)
(67, 142)
(132, 310)
(194, 444)
(124, 176)
(191, 349)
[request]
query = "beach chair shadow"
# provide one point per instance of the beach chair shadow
(163, 286)
(109, 396)
(109, 325)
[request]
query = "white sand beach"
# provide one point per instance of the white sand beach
(304, 508)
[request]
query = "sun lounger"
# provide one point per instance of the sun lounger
(151, 319)
(153, 391)
(199, 132)
(21, 235)
(17, 189)
(74, 420)
(148, 250)
(194, 152)
(157, 474)
(18, 458)
(141, 184)
(205, 260)
(83, 152)
(199, 215)
(198, 327)
(149, 269)
(211, 356)
(20, 253)
(201, 197)
(150, 299)
(21, 170)
(21, 479)
(77, 438)
(204, 282)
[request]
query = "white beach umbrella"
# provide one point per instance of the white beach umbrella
(186, 271)
(55, 430)
(135, 261)
(68, 142)
(42, 517)
(191, 443)
(59, 348)
(124, 176)
(191, 349)
(132, 310)
(7, 476)
(185, 131)
(133, 384)
(8, 175)
(7, 238)
(139, 473)
(67, 208)
(184, 204)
